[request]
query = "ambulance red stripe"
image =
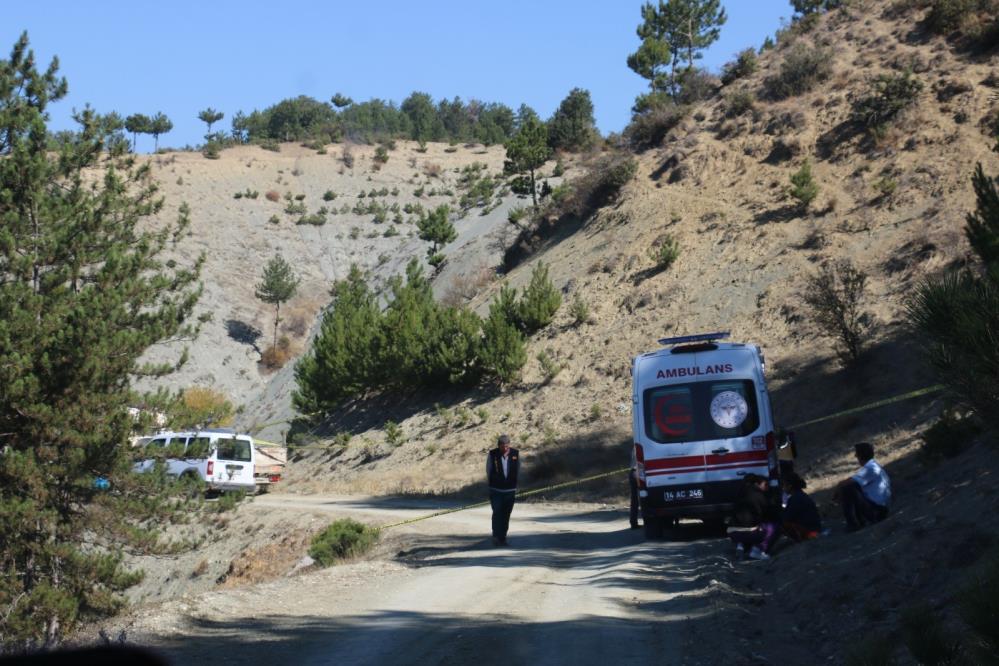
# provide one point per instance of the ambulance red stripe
(715, 468)
(711, 461)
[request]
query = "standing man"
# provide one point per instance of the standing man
(502, 465)
(633, 483)
(866, 495)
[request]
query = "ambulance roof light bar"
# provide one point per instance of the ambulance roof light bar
(702, 337)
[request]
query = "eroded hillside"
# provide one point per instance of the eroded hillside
(893, 205)
(322, 213)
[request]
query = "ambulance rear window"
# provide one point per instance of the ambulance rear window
(700, 411)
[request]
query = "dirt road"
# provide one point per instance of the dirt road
(574, 586)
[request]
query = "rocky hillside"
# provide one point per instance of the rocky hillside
(892, 204)
(322, 212)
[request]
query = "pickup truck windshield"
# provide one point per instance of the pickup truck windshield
(231, 448)
(700, 411)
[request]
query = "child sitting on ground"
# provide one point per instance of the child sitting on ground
(756, 508)
(801, 517)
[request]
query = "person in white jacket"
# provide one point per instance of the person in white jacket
(865, 496)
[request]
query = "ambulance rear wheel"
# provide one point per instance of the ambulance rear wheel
(654, 527)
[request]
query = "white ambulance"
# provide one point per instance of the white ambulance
(702, 422)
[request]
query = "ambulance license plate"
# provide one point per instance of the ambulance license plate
(685, 494)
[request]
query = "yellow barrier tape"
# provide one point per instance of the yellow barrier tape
(526, 493)
(846, 412)
(873, 405)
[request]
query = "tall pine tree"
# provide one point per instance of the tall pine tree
(278, 286)
(345, 360)
(528, 151)
(82, 296)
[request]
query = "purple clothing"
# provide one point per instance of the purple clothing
(763, 536)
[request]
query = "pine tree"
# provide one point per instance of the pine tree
(345, 360)
(82, 295)
(654, 54)
(279, 285)
(409, 325)
(982, 228)
(539, 302)
(528, 151)
(502, 352)
(685, 28)
(210, 116)
(137, 123)
(803, 186)
(158, 124)
(572, 127)
(340, 100)
(436, 228)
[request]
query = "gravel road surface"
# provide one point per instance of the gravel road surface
(575, 586)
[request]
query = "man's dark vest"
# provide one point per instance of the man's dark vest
(496, 478)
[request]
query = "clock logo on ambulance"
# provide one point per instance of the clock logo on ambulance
(729, 409)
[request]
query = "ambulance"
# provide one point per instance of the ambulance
(702, 421)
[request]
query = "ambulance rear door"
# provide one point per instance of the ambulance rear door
(665, 427)
(739, 411)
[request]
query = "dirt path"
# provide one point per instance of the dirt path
(575, 586)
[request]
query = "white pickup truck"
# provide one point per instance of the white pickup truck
(269, 463)
(222, 459)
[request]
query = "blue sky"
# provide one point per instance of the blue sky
(180, 57)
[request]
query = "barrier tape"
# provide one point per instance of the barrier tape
(873, 405)
(526, 493)
(846, 412)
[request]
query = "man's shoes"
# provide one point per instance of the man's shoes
(503, 543)
(740, 550)
(757, 554)
(496, 541)
(634, 526)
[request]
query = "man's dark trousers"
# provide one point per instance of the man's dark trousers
(857, 509)
(634, 498)
(502, 503)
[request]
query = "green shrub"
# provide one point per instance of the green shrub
(739, 102)
(329, 195)
(316, 219)
(957, 317)
(381, 155)
(295, 209)
(343, 539)
(803, 188)
(649, 128)
(501, 351)
(516, 214)
(949, 436)
(744, 65)
(549, 366)
(835, 297)
(539, 302)
(393, 434)
(803, 68)
(946, 16)
(924, 635)
(579, 311)
(979, 605)
(390, 232)
(274, 219)
(888, 96)
(665, 253)
(886, 186)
